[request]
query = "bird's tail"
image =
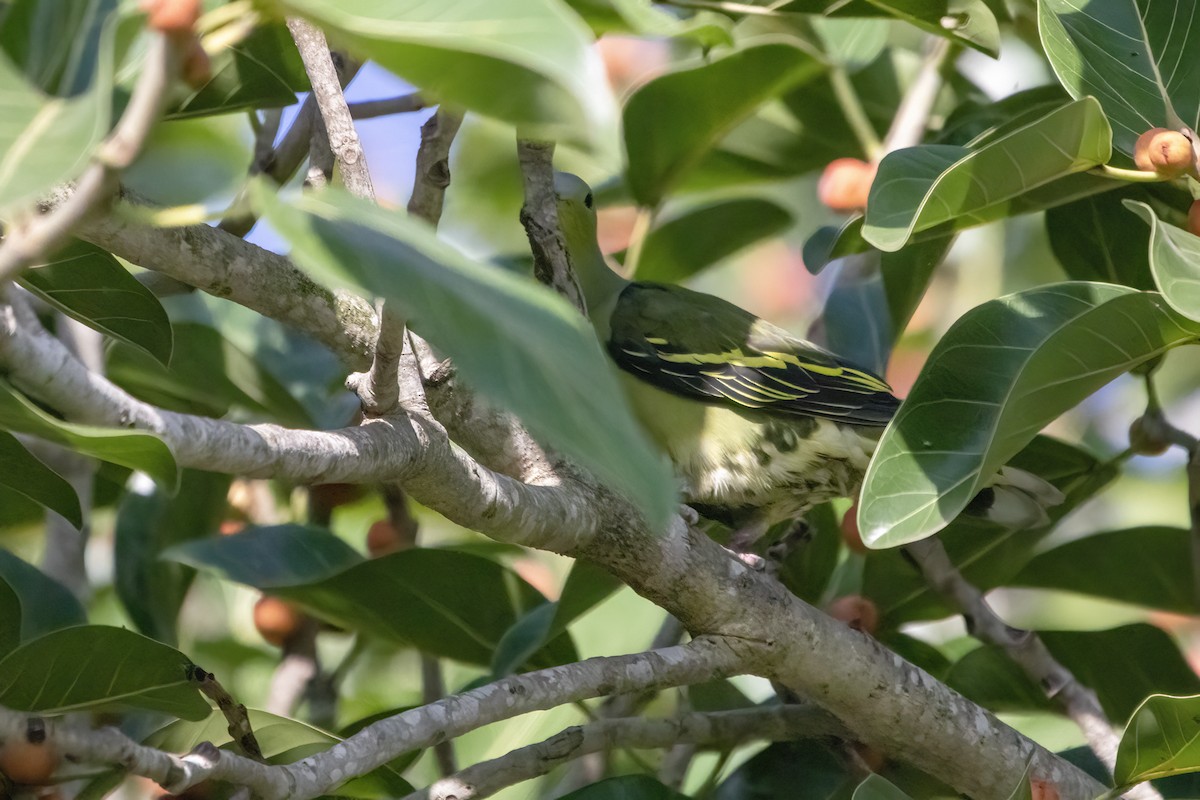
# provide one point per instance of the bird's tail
(1016, 499)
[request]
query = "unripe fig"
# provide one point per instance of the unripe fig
(26, 762)
(1042, 790)
(383, 538)
(845, 184)
(851, 535)
(1167, 152)
(1194, 218)
(1145, 440)
(856, 611)
(172, 16)
(277, 620)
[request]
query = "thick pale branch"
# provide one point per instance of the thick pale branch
(720, 729)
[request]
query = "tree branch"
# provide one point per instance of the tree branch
(1026, 649)
(401, 104)
(717, 729)
(539, 215)
(28, 242)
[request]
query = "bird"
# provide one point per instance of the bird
(761, 425)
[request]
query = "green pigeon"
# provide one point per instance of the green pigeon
(760, 424)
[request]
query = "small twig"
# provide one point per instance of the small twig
(1026, 649)
(396, 503)
(716, 729)
(401, 104)
(327, 88)
(28, 242)
(433, 689)
(912, 117)
(234, 712)
(265, 132)
(539, 215)
(725, 7)
(297, 670)
(320, 156)
(852, 108)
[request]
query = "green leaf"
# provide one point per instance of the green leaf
(22, 472)
(207, 375)
(699, 237)
(626, 787)
(90, 285)
(971, 22)
(1000, 374)
(10, 619)
(522, 643)
(97, 667)
(987, 554)
(45, 605)
(918, 188)
(1136, 57)
(139, 451)
(713, 98)
(263, 70)
(642, 18)
(527, 62)
(513, 340)
(283, 741)
(586, 587)
(1150, 566)
(1162, 738)
(1093, 240)
(973, 123)
(1024, 787)
(851, 43)
(806, 769)
(148, 522)
(270, 557)
(807, 570)
(1174, 260)
(878, 788)
(1122, 665)
(192, 161)
(312, 568)
(57, 99)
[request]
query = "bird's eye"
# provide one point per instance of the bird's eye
(587, 200)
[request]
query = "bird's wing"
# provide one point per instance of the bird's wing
(702, 347)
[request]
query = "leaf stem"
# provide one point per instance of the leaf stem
(1128, 175)
(856, 115)
(637, 238)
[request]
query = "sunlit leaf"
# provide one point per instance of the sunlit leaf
(513, 340)
(263, 70)
(997, 377)
(1174, 261)
(98, 667)
(528, 62)
(128, 448)
(1137, 58)
(918, 188)
(1162, 738)
(713, 98)
(699, 237)
(90, 285)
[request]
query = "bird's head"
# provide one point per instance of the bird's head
(576, 210)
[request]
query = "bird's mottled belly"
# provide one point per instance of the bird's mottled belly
(780, 465)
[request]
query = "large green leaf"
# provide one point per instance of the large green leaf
(1122, 665)
(878, 788)
(805, 769)
(918, 188)
(310, 568)
(1138, 58)
(98, 667)
(90, 285)
(1093, 240)
(1174, 261)
(987, 554)
(699, 237)
(148, 522)
(207, 375)
(513, 340)
(263, 70)
(22, 472)
(626, 787)
(527, 62)
(997, 377)
(1162, 738)
(129, 449)
(1150, 566)
(712, 98)
(283, 741)
(43, 604)
(971, 22)
(56, 73)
